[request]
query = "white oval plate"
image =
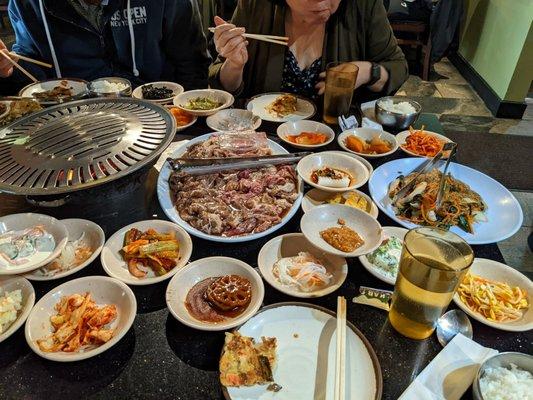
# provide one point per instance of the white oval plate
(165, 200)
(317, 197)
(388, 231)
(210, 267)
(504, 213)
(219, 95)
(94, 237)
(307, 165)
(233, 119)
(17, 222)
(367, 134)
(290, 245)
(104, 291)
(304, 108)
(365, 162)
(8, 284)
(297, 127)
(402, 136)
(327, 216)
(115, 266)
(305, 356)
(496, 271)
(176, 88)
(79, 88)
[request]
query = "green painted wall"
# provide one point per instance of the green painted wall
(497, 41)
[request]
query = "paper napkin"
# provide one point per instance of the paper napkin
(450, 373)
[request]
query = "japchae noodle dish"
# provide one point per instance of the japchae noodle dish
(234, 203)
(461, 206)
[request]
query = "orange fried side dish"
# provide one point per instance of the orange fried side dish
(150, 249)
(79, 322)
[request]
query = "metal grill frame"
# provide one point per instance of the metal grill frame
(124, 135)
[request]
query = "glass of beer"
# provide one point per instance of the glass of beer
(432, 264)
(340, 84)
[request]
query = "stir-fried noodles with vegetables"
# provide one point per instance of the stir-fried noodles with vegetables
(461, 206)
(496, 301)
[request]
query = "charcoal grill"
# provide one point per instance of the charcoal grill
(81, 144)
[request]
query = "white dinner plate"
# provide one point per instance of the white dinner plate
(211, 267)
(304, 108)
(504, 213)
(305, 356)
(496, 271)
(79, 88)
(165, 199)
(19, 222)
(115, 266)
(94, 237)
(8, 284)
(402, 137)
(388, 231)
(289, 245)
(104, 291)
(316, 197)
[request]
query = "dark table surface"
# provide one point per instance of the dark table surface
(161, 358)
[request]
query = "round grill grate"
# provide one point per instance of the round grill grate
(81, 144)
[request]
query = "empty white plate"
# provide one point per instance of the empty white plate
(211, 267)
(305, 356)
(104, 291)
(8, 284)
(327, 216)
(115, 266)
(290, 245)
(496, 271)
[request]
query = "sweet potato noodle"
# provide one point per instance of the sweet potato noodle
(234, 203)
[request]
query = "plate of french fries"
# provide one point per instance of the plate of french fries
(146, 252)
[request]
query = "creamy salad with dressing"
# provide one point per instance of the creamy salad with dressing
(31, 245)
(386, 257)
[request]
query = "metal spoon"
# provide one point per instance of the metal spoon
(452, 323)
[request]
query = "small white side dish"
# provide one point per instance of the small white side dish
(8, 284)
(402, 137)
(317, 197)
(327, 216)
(115, 266)
(104, 291)
(388, 231)
(367, 134)
(290, 245)
(220, 96)
(233, 119)
(293, 128)
(176, 89)
(18, 222)
(94, 237)
(307, 165)
(496, 271)
(210, 267)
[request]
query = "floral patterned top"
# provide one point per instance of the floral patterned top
(299, 81)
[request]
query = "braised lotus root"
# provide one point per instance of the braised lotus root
(229, 292)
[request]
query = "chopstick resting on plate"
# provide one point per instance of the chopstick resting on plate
(16, 65)
(340, 354)
(283, 40)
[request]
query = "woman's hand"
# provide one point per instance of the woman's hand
(230, 43)
(6, 68)
(363, 77)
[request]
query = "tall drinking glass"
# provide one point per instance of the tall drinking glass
(340, 84)
(432, 264)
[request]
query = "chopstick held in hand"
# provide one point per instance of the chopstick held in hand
(16, 65)
(283, 40)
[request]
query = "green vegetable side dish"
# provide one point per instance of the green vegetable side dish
(387, 256)
(202, 103)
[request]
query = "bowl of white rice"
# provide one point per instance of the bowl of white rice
(505, 376)
(397, 113)
(110, 87)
